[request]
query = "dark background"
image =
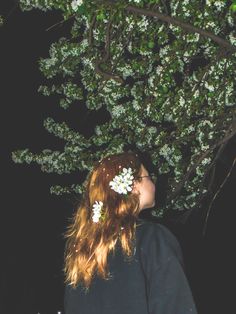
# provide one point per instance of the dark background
(33, 220)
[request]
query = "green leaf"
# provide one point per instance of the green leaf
(233, 7)
(151, 44)
(81, 9)
(101, 16)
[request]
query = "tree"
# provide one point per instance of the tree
(165, 73)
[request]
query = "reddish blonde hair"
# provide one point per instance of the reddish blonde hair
(88, 244)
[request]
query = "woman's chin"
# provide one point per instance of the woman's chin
(148, 205)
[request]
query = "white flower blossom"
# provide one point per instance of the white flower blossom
(232, 38)
(117, 111)
(159, 69)
(122, 183)
(206, 161)
(181, 101)
(163, 51)
(209, 87)
(97, 207)
(165, 150)
(210, 24)
(130, 22)
(143, 23)
(196, 94)
(230, 19)
(75, 4)
(217, 4)
(136, 105)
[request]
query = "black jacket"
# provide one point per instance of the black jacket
(152, 282)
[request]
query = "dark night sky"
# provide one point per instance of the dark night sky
(33, 220)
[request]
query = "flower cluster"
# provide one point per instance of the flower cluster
(122, 183)
(97, 207)
(75, 4)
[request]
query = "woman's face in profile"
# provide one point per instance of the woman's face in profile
(146, 189)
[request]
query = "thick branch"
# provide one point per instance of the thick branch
(118, 58)
(107, 75)
(91, 27)
(170, 20)
(188, 27)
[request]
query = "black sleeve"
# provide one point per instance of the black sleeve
(168, 290)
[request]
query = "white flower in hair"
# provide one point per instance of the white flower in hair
(122, 183)
(97, 207)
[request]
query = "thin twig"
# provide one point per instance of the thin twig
(220, 188)
(226, 138)
(10, 12)
(61, 22)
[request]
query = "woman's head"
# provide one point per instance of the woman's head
(117, 188)
(117, 205)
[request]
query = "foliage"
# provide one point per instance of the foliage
(165, 72)
(1, 20)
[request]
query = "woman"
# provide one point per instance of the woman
(116, 263)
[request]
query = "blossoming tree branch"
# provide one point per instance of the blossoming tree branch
(165, 73)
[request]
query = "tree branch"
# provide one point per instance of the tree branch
(226, 46)
(60, 22)
(218, 191)
(90, 32)
(107, 75)
(188, 27)
(104, 74)
(226, 138)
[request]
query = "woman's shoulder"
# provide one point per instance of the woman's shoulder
(149, 228)
(156, 236)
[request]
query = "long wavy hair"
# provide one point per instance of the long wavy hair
(88, 243)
